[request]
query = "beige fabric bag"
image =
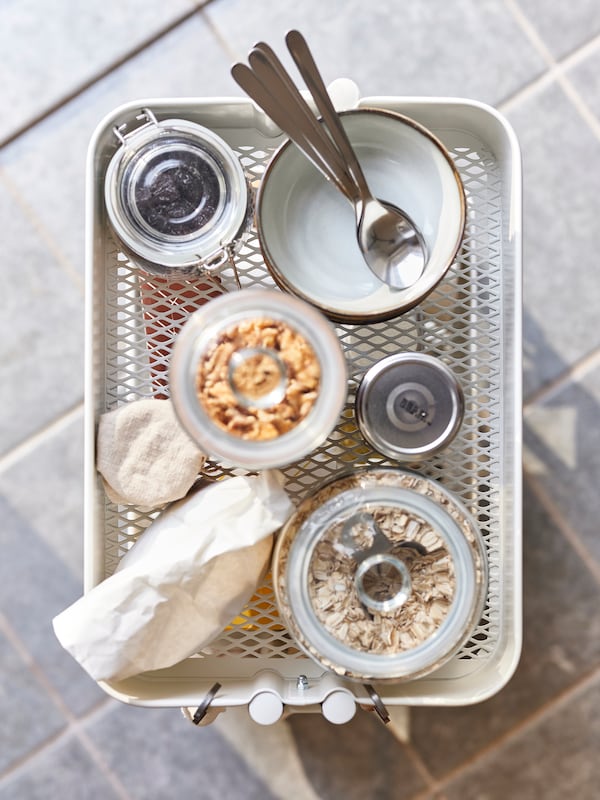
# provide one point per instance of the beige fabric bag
(145, 457)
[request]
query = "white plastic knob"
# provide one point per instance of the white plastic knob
(339, 707)
(265, 708)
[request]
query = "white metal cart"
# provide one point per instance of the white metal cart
(472, 321)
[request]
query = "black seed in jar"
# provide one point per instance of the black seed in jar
(177, 193)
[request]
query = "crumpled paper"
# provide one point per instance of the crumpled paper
(183, 581)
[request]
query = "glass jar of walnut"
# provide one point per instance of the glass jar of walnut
(380, 575)
(258, 378)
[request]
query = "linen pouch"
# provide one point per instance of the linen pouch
(145, 457)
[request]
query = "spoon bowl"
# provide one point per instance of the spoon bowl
(390, 243)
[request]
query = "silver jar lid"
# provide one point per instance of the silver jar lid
(176, 195)
(409, 406)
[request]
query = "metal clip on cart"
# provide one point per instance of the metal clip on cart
(472, 320)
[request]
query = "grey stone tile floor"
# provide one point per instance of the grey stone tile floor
(64, 66)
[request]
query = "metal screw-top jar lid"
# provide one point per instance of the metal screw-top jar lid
(409, 406)
(175, 194)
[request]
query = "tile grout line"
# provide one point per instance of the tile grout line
(556, 69)
(40, 676)
(549, 707)
(433, 793)
(582, 52)
(419, 764)
(520, 95)
(569, 533)
(98, 759)
(582, 107)
(573, 373)
(43, 232)
(216, 32)
(530, 32)
(74, 727)
(194, 10)
(23, 763)
(28, 445)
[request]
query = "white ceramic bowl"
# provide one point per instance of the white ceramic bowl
(307, 228)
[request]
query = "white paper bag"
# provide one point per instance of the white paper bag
(186, 577)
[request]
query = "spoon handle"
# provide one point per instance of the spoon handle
(308, 69)
(267, 89)
(274, 75)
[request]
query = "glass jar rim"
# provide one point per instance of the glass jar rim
(193, 249)
(322, 646)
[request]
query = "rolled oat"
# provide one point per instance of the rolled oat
(337, 604)
(331, 588)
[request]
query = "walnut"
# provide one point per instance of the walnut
(233, 394)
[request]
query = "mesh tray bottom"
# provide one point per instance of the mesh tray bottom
(460, 322)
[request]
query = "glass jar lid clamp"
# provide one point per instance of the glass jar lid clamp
(382, 580)
(176, 194)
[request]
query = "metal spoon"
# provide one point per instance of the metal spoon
(392, 246)
(389, 240)
(269, 85)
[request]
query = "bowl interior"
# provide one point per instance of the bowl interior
(307, 228)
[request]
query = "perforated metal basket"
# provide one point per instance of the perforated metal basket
(471, 321)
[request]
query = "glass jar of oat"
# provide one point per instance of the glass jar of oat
(258, 378)
(380, 575)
